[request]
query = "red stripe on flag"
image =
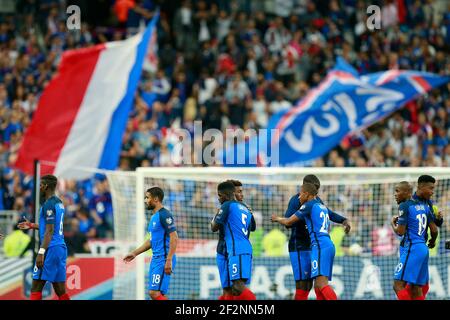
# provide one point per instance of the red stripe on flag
(57, 109)
(422, 82)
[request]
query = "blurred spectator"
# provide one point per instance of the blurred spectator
(16, 243)
(384, 242)
(85, 224)
(230, 67)
(275, 243)
(75, 238)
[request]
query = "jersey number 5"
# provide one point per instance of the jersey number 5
(244, 222)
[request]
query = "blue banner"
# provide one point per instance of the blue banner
(342, 103)
(354, 278)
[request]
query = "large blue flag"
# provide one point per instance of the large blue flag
(343, 102)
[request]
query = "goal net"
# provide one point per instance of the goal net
(365, 259)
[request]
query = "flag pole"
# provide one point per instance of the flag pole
(37, 181)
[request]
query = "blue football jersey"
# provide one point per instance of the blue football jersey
(430, 204)
(317, 219)
(52, 212)
(160, 226)
(300, 239)
(415, 216)
(237, 222)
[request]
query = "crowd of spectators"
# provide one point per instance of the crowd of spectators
(229, 64)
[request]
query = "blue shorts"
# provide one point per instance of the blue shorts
(222, 265)
(240, 267)
(301, 264)
(413, 265)
(322, 261)
(157, 278)
(54, 269)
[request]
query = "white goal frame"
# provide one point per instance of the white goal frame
(216, 174)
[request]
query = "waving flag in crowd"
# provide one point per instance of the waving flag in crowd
(342, 103)
(82, 113)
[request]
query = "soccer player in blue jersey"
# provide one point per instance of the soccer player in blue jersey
(221, 251)
(412, 223)
(163, 244)
(52, 255)
(317, 219)
(300, 244)
(235, 219)
(425, 190)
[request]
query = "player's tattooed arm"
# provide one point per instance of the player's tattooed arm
(147, 245)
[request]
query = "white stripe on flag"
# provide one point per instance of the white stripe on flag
(85, 143)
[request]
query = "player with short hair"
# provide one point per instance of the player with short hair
(221, 251)
(235, 220)
(300, 244)
(423, 194)
(163, 244)
(412, 223)
(51, 259)
(316, 217)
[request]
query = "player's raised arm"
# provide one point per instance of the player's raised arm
(214, 224)
(337, 218)
(286, 221)
(398, 224)
(133, 254)
(25, 225)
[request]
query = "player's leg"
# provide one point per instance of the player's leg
(156, 277)
(301, 268)
(36, 289)
(225, 281)
(44, 274)
(422, 278)
(322, 269)
(240, 267)
(59, 284)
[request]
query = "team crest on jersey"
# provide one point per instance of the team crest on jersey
(49, 213)
(169, 220)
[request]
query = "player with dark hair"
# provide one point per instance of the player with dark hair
(412, 223)
(163, 244)
(221, 256)
(52, 255)
(234, 218)
(317, 219)
(300, 244)
(423, 194)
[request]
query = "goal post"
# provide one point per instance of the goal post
(365, 260)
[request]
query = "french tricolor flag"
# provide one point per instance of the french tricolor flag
(82, 113)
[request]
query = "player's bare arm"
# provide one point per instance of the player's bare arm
(25, 225)
(214, 225)
(133, 254)
(398, 229)
(172, 248)
(285, 221)
(433, 235)
(347, 226)
(49, 229)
